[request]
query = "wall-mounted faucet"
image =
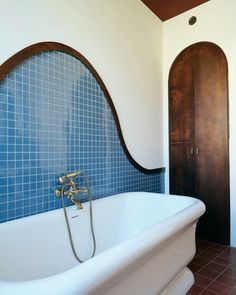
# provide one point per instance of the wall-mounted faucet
(69, 188)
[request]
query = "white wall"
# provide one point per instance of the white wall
(121, 39)
(216, 23)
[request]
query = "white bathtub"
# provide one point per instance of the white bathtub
(144, 242)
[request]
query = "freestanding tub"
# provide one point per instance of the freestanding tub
(144, 242)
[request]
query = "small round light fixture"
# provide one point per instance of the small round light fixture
(192, 20)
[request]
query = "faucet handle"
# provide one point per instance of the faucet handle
(57, 192)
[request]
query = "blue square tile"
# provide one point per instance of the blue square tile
(58, 120)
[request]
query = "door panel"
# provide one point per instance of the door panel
(211, 136)
(181, 110)
(198, 117)
(182, 172)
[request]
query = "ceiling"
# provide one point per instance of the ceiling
(166, 9)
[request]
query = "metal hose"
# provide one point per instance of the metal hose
(90, 215)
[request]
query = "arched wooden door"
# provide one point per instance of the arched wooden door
(198, 135)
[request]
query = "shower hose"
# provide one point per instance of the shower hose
(90, 216)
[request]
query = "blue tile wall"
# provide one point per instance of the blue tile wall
(54, 119)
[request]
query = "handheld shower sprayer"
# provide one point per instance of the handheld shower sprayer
(69, 176)
(70, 189)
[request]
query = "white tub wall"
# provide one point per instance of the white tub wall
(215, 23)
(121, 39)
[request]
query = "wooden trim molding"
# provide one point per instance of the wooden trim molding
(31, 50)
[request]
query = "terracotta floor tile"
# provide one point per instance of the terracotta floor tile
(219, 288)
(217, 250)
(230, 272)
(203, 243)
(207, 257)
(233, 292)
(194, 267)
(202, 281)
(208, 292)
(213, 252)
(199, 250)
(222, 261)
(195, 290)
(218, 246)
(229, 254)
(231, 250)
(200, 262)
(209, 273)
(216, 267)
(227, 280)
(201, 247)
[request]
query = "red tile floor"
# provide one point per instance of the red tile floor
(214, 268)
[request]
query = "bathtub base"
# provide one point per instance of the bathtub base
(180, 284)
(147, 275)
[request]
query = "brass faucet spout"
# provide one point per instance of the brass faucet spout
(77, 203)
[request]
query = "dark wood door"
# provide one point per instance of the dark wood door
(181, 125)
(203, 161)
(211, 137)
(182, 172)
